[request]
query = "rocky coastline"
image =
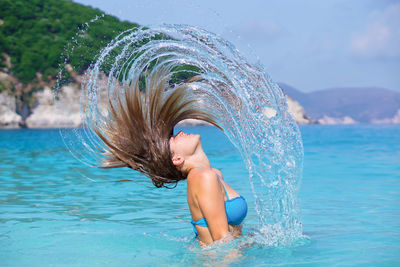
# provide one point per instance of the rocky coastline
(65, 111)
(9, 119)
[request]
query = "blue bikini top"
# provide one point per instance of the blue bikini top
(235, 209)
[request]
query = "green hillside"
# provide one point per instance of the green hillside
(34, 33)
(35, 36)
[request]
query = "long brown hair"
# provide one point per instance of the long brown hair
(140, 125)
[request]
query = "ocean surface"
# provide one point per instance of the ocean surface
(52, 212)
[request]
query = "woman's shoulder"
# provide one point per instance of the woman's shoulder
(202, 176)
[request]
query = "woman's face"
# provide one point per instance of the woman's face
(184, 145)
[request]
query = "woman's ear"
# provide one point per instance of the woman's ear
(177, 160)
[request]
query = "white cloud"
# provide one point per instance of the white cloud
(381, 38)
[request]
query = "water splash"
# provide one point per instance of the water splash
(249, 106)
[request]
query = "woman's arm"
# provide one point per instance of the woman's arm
(212, 205)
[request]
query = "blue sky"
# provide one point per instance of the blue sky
(309, 44)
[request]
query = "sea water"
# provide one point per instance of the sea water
(52, 214)
(249, 107)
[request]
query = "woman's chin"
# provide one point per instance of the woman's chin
(198, 137)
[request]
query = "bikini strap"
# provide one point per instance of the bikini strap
(220, 180)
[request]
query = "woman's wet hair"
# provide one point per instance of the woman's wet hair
(140, 125)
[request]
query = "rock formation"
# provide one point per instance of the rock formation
(64, 112)
(61, 113)
(8, 115)
(297, 112)
(330, 120)
(395, 119)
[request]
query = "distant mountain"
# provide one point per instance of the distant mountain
(365, 105)
(294, 93)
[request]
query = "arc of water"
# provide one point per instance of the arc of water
(228, 86)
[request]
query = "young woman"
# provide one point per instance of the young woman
(216, 208)
(139, 134)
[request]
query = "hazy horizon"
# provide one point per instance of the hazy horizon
(335, 87)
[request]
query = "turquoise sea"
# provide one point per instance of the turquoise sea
(52, 213)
